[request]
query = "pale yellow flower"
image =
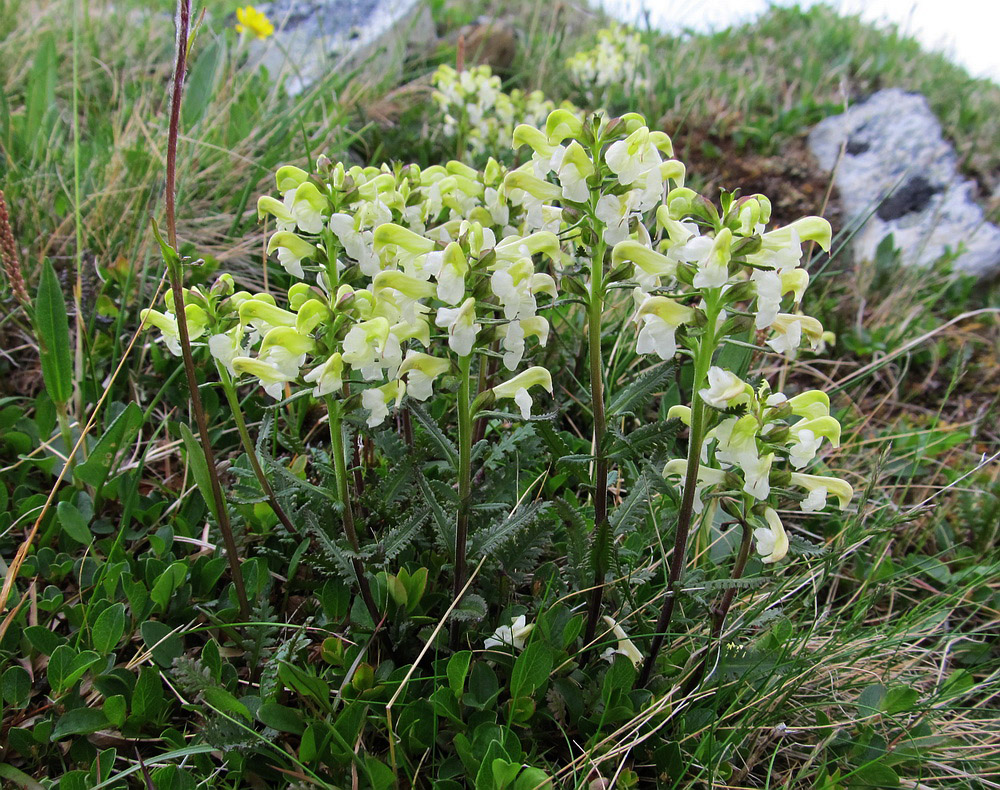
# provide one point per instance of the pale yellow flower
(250, 20)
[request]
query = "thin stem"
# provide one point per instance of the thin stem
(703, 360)
(464, 473)
(722, 610)
(250, 449)
(78, 223)
(340, 470)
(177, 287)
(602, 539)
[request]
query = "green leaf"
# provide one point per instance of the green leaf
(446, 525)
(66, 666)
(492, 538)
(164, 645)
(433, 429)
(19, 778)
(202, 81)
(40, 100)
(199, 468)
(74, 523)
(900, 699)
(15, 687)
(281, 718)
(380, 775)
(172, 578)
(80, 721)
(147, 698)
(42, 639)
(531, 670)
(222, 700)
(870, 699)
(874, 775)
(52, 331)
(115, 708)
(108, 629)
(458, 668)
(95, 470)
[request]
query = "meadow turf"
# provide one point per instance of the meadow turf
(875, 663)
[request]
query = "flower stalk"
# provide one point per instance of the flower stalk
(248, 447)
(721, 611)
(176, 275)
(464, 476)
(702, 361)
(602, 538)
(347, 517)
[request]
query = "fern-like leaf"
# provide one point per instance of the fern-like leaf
(490, 539)
(639, 392)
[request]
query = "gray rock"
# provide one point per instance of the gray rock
(313, 37)
(899, 172)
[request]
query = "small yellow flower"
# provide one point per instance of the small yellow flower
(254, 21)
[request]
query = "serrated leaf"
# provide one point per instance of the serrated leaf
(492, 538)
(640, 391)
(398, 538)
(446, 526)
(627, 515)
(430, 425)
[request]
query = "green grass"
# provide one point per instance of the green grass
(876, 656)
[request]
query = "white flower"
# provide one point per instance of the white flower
(805, 447)
(633, 157)
(291, 250)
(420, 370)
(364, 345)
(377, 400)
(708, 477)
(768, 297)
(625, 645)
(815, 501)
(724, 389)
(306, 205)
(659, 318)
(755, 474)
(517, 388)
(789, 330)
(327, 376)
(713, 264)
(513, 635)
(612, 211)
(197, 321)
(226, 347)
(841, 489)
(461, 325)
(772, 542)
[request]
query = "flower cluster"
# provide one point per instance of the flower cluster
(699, 275)
(401, 275)
(404, 275)
(475, 109)
(758, 448)
(616, 60)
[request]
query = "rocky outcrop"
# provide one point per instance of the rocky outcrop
(896, 174)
